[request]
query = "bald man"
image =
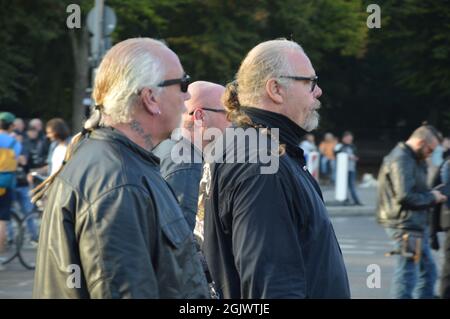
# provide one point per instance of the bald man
(204, 118)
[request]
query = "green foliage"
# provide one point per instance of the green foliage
(22, 23)
(371, 79)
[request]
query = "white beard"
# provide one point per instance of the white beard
(312, 121)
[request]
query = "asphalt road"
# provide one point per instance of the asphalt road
(363, 242)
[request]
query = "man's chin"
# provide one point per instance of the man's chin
(312, 123)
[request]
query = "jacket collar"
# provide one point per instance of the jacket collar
(113, 135)
(409, 150)
(290, 133)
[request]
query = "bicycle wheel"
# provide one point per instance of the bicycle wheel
(13, 236)
(30, 228)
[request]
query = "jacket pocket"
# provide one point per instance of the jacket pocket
(175, 230)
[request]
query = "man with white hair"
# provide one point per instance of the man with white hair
(112, 228)
(205, 114)
(269, 235)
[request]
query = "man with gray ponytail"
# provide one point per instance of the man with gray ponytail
(111, 227)
(269, 235)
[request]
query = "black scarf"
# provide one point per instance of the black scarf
(290, 133)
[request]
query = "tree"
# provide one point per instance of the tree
(416, 38)
(23, 23)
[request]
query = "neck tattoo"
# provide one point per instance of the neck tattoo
(136, 126)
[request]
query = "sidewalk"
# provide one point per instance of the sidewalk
(368, 197)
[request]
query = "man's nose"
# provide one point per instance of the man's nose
(317, 91)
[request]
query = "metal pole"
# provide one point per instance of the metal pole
(98, 31)
(97, 38)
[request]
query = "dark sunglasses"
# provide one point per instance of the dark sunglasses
(208, 109)
(184, 82)
(313, 79)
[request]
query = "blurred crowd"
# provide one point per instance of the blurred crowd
(36, 148)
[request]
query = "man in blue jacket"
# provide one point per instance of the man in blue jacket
(10, 150)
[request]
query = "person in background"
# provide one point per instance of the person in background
(328, 157)
(10, 150)
(22, 191)
(348, 147)
(440, 218)
(19, 129)
(37, 124)
(404, 200)
(435, 161)
(204, 111)
(446, 145)
(58, 133)
(308, 145)
(36, 149)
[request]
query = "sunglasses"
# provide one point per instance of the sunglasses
(313, 79)
(184, 82)
(208, 109)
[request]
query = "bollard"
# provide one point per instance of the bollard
(313, 164)
(341, 177)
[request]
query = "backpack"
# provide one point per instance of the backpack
(8, 166)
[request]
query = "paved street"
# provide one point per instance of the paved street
(363, 242)
(16, 281)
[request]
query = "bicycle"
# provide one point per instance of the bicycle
(21, 242)
(28, 244)
(13, 239)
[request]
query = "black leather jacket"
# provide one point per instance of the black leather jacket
(113, 229)
(404, 197)
(269, 235)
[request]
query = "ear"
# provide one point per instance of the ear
(150, 102)
(274, 91)
(199, 117)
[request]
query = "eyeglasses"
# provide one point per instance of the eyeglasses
(184, 82)
(313, 79)
(208, 109)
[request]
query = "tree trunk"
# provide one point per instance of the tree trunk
(79, 39)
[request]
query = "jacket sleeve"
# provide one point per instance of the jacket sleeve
(268, 255)
(115, 245)
(403, 182)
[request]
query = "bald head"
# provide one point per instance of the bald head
(205, 109)
(205, 94)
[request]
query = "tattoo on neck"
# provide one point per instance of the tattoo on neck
(136, 126)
